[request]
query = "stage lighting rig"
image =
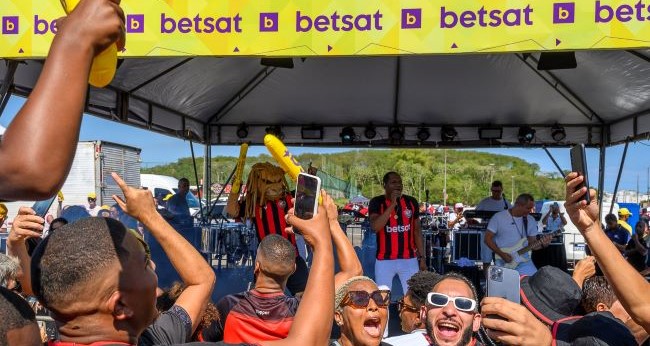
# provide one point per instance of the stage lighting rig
(423, 134)
(526, 134)
(448, 133)
(242, 130)
(370, 132)
(558, 133)
(347, 135)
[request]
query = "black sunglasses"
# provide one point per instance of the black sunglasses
(361, 299)
(401, 305)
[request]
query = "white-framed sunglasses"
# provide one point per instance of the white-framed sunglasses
(441, 300)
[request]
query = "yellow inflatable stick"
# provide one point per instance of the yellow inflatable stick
(233, 198)
(60, 196)
(282, 155)
(104, 64)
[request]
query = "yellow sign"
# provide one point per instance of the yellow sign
(345, 27)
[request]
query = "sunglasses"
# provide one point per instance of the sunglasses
(361, 299)
(441, 300)
(401, 305)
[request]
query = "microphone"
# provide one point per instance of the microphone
(398, 204)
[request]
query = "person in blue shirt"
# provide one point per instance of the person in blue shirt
(617, 234)
(177, 204)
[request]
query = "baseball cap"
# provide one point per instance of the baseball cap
(92, 195)
(624, 211)
(458, 206)
(550, 294)
(596, 328)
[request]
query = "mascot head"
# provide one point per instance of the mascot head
(265, 183)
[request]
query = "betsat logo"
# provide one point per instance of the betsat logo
(411, 18)
(269, 22)
(564, 12)
(398, 229)
(135, 23)
(10, 25)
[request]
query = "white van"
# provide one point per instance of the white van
(163, 185)
(574, 242)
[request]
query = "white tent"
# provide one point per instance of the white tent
(605, 100)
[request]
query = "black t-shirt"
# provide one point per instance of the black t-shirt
(173, 326)
(634, 257)
(396, 239)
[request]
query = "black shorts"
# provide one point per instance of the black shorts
(298, 280)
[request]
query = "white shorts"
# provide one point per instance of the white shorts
(385, 270)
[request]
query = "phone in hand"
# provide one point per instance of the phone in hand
(579, 164)
(307, 192)
(41, 207)
(504, 283)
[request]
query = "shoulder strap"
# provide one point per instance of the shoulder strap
(505, 203)
(525, 220)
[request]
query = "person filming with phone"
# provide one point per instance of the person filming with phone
(394, 217)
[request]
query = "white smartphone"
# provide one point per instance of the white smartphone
(307, 192)
(504, 283)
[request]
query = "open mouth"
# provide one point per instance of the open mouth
(448, 329)
(372, 327)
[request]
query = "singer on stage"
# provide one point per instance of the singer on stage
(395, 219)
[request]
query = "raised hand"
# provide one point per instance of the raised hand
(138, 204)
(26, 225)
(520, 327)
(100, 21)
(315, 230)
(582, 215)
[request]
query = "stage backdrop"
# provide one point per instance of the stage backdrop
(345, 27)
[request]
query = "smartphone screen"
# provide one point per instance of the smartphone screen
(579, 164)
(41, 207)
(503, 283)
(307, 190)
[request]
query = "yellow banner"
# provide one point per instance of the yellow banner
(344, 27)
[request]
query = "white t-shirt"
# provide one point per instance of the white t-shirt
(453, 216)
(93, 211)
(415, 338)
(491, 204)
(553, 224)
(508, 230)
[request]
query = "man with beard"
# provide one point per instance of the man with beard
(451, 312)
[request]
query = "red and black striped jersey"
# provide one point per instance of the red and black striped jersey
(396, 239)
(269, 219)
(253, 316)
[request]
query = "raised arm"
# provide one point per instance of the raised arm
(348, 260)
(625, 280)
(57, 102)
(190, 265)
(311, 325)
(26, 225)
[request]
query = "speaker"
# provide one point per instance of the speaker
(467, 244)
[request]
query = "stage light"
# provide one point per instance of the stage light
(277, 62)
(396, 133)
(423, 134)
(312, 132)
(448, 133)
(276, 131)
(370, 132)
(557, 61)
(347, 135)
(242, 130)
(490, 132)
(526, 134)
(558, 133)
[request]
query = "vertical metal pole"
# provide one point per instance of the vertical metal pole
(7, 82)
(444, 189)
(618, 177)
(601, 171)
(207, 167)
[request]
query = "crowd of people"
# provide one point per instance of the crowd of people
(95, 280)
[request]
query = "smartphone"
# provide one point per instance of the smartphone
(504, 283)
(579, 164)
(41, 207)
(307, 192)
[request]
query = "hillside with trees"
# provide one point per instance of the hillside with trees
(469, 173)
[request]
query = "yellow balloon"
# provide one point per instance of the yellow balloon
(104, 64)
(282, 155)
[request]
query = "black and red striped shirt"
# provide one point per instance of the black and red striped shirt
(396, 240)
(269, 219)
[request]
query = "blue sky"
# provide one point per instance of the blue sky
(160, 149)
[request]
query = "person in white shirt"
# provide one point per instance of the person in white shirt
(554, 220)
(92, 207)
(506, 228)
(456, 219)
(495, 202)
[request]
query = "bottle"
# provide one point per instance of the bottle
(104, 64)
